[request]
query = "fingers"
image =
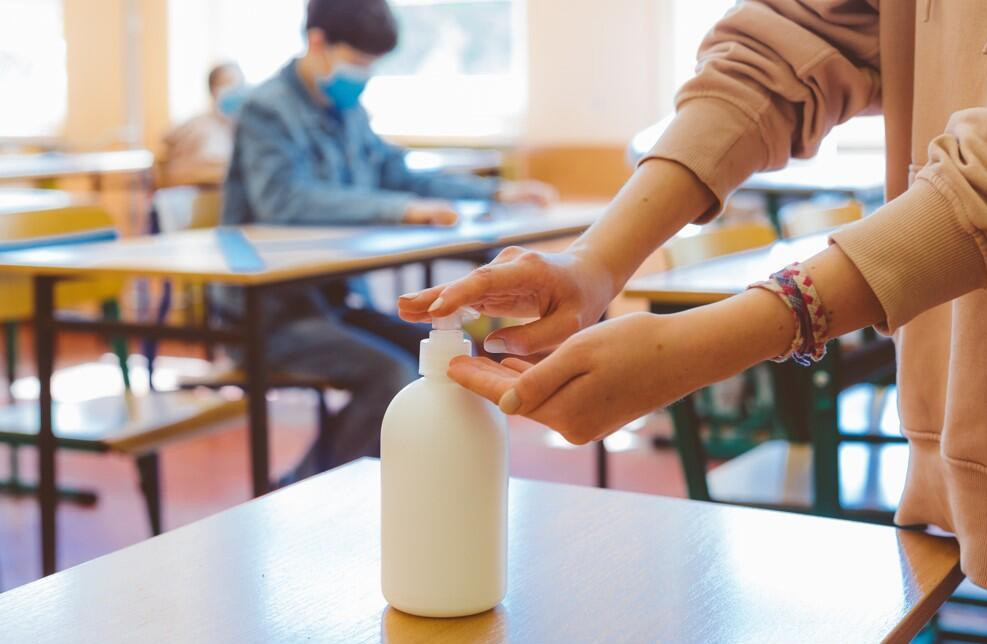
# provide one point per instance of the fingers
(517, 364)
(483, 376)
(413, 307)
(538, 383)
(480, 283)
(542, 334)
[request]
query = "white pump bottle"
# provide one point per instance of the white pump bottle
(443, 490)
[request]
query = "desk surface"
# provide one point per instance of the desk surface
(16, 200)
(719, 278)
(586, 565)
(858, 173)
(282, 253)
(455, 160)
(60, 164)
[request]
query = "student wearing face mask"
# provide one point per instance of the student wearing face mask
(305, 154)
(198, 151)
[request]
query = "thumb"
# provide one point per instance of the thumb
(537, 384)
(534, 337)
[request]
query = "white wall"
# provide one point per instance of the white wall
(600, 70)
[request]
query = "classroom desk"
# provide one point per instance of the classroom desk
(261, 260)
(718, 279)
(857, 174)
(585, 565)
(17, 200)
(96, 165)
(475, 161)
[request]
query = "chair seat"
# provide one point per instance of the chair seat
(779, 474)
(227, 377)
(129, 423)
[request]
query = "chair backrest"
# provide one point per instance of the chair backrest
(807, 217)
(55, 227)
(714, 242)
(187, 208)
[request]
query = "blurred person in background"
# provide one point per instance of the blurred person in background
(198, 151)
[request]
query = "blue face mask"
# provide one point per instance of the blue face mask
(344, 85)
(231, 100)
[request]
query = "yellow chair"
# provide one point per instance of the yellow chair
(807, 217)
(54, 227)
(713, 242)
(128, 424)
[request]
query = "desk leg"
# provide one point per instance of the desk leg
(44, 343)
(257, 384)
(824, 430)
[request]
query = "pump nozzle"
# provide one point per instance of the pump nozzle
(456, 320)
(445, 342)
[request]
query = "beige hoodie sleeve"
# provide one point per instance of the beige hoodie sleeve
(774, 76)
(928, 246)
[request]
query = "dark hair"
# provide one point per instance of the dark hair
(366, 25)
(217, 71)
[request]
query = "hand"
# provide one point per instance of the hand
(430, 212)
(565, 291)
(606, 376)
(527, 192)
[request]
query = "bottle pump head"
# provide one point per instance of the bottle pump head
(445, 342)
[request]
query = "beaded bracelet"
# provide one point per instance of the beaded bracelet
(795, 288)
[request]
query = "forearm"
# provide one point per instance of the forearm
(655, 203)
(754, 326)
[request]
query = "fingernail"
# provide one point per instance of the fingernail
(509, 402)
(495, 345)
(410, 296)
(436, 305)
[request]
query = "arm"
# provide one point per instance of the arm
(924, 248)
(774, 77)
(282, 185)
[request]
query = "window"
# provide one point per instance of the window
(33, 80)
(458, 69)
(260, 35)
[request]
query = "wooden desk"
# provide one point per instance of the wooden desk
(586, 565)
(261, 260)
(465, 160)
(294, 252)
(16, 200)
(719, 278)
(52, 165)
(857, 174)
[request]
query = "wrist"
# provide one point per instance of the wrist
(742, 331)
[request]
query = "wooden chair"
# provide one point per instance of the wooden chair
(808, 217)
(130, 424)
(714, 242)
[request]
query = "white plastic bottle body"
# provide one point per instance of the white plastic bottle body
(444, 472)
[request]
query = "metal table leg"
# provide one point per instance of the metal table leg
(257, 385)
(44, 343)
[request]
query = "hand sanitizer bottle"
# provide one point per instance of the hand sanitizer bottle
(443, 489)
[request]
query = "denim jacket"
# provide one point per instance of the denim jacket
(296, 162)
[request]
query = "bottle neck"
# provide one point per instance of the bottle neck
(438, 350)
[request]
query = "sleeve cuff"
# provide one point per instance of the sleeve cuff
(720, 144)
(392, 208)
(914, 253)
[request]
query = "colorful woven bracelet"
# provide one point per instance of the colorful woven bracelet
(795, 288)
